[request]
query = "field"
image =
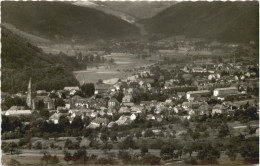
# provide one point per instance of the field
(29, 157)
(124, 66)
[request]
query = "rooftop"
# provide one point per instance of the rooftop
(229, 88)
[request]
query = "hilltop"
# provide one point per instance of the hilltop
(64, 21)
(222, 21)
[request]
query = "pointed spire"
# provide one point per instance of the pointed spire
(30, 84)
(29, 95)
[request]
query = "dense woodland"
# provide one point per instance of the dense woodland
(22, 61)
(222, 21)
(63, 21)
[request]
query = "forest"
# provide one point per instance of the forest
(21, 61)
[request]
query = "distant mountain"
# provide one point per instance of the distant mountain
(127, 10)
(222, 21)
(58, 20)
(21, 60)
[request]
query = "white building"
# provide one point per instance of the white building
(225, 91)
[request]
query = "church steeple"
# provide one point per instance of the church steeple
(29, 95)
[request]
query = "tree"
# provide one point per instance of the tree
(138, 134)
(59, 102)
(148, 133)
(166, 152)
(190, 147)
(208, 154)
(185, 123)
(67, 157)
(104, 137)
(151, 159)
(125, 156)
(44, 113)
(63, 122)
(223, 131)
(250, 150)
(38, 145)
(10, 147)
(77, 123)
(113, 136)
(191, 161)
(88, 89)
(80, 156)
(231, 152)
(39, 104)
(143, 150)
(195, 135)
(128, 142)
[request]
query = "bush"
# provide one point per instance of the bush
(144, 150)
(124, 156)
(167, 152)
(191, 161)
(105, 161)
(49, 159)
(151, 159)
(14, 162)
(38, 145)
(157, 144)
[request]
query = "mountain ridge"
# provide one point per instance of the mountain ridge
(222, 21)
(60, 21)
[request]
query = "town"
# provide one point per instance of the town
(198, 110)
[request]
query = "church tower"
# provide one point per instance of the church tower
(29, 95)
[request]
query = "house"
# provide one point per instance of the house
(198, 70)
(48, 102)
(94, 114)
(219, 109)
(60, 109)
(137, 109)
(18, 111)
(150, 117)
(131, 104)
(124, 120)
(42, 93)
(98, 122)
(189, 105)
(132, 78)
(111, 124)
(129, 91)
(225, 91)
(203, 109)
(80, 102)
(102, 88)
(55, 118)
(124, 110)
(113, 103)
(70, 88)
(197, 93)
(127, 99)
(133, 117)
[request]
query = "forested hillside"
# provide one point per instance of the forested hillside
(222, 21)
(21, 60)
(63, 21)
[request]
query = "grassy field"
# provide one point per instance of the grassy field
(124, 67)
(33, 157)
(29, 157)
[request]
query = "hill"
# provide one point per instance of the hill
(222, 21)
(58, 20)
(129, 11)
(21, 60)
